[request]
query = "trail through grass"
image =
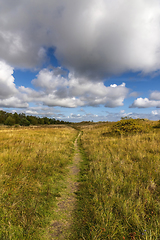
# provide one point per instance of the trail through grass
(32, 164)
(62, 227)
(115, 195)
(119, 193)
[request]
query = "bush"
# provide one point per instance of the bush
(24, 122)
(9, 121)
(128, 126)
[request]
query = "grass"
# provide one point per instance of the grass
(119, 195)
(119, 180)
(32, 163)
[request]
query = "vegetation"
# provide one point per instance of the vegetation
(128, 126)
(157, 125)
(33, 161)
(119, 195)
(23, 120)
(119, 179)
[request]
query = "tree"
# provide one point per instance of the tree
(32, 119)
(9, 121)
(46, 120)
(2, 116)
(52, 121)
(24, 122)
(16, 118)
(40, 121)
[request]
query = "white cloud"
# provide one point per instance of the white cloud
(152, 101)
(50, 80)
(7, 86)
(85, 117)
(95, 94)
(145, 103)
(51, 100)
(92, 38)
(156, 112)
(41, 111)
(155, 95)
(73, 92)
(109, 116)
(31, 112)
(13, 102)
(113, 85)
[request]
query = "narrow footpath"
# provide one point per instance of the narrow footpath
(62, 227)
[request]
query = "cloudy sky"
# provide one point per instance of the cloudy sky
(80, 60)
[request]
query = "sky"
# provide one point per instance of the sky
(83, 60)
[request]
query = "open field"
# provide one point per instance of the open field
(118, 193)
(32, 163)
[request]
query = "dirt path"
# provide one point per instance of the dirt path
(61, 228)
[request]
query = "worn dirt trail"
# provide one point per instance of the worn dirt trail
(62, 227)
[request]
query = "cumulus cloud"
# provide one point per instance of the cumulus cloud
(56, 90)
(92, 38)
(50, 80)
(156, 112)
(95, 94)
(13, 102)
(152, 101)
(41, 111)
(44, 111)
(52, 100)
(7, 86)
(8, 91)
(155, 96)
(31, 112)
(109, 116)
(145, 103)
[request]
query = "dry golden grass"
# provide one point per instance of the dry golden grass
(120, 189)
(32, 162)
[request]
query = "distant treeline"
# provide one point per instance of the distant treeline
(24, 120)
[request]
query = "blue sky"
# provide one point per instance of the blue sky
(80, 60)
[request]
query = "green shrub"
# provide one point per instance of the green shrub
(9, 121)
(24, 122)
(128, 126)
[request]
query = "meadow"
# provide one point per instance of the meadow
(119, 195)
(32, 163)
(119, 179)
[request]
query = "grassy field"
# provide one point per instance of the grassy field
(119, 195)
(32, 163)
(119, 180)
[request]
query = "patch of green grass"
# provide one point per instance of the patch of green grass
(32, 163)
(119, 195)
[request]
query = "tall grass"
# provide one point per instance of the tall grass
(32, 162)
(119, 196)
